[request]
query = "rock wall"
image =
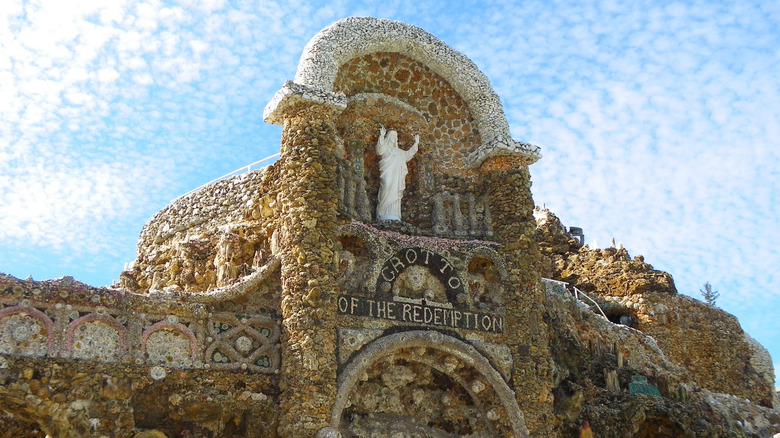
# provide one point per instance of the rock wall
(707, 341)
(309, 264)
(448, 122)
(210, 238)
(598, 364)
(82, 361)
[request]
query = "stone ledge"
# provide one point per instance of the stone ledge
(501, 146)
(291, 94)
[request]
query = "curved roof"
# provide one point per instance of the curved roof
(356, 36)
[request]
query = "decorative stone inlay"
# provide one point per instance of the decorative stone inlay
(96, 336)
(440, 344)
(499, 355)
(25, 331)
(639, 385)
(243, 345)
(448, 218)
(23, 334)
(125, 336)
(170, 344)
(357, 36)
(96, 341)
(157, 372)
(243, 342)
(352, 340)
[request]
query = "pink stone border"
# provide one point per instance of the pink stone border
(165, 325)
(105, 319)
(36, 314)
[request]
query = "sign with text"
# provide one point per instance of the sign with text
(420, 314)
(437, 265)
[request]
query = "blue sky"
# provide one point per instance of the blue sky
(659, 122)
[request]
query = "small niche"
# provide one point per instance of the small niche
(623, 317)
(354, 244)
(479, 265)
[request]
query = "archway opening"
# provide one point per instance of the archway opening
(410, 398)
(424, 383)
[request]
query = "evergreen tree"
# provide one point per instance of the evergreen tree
(710, 296)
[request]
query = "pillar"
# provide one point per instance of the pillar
(511, 210)
(308, 228)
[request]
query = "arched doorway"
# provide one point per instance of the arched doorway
(424, 383)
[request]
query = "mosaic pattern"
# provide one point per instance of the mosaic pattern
(170, 344)
(222, 341)
(415, 88)
(246, 342)
(352, 340)
(24, 332)
(96, 341)
(354, 37)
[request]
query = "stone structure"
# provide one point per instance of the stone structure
(273, 304)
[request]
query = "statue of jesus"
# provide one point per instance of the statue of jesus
(392, 174)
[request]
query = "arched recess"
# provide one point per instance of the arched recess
(422, 346)
(26, 331)
(353, 37)
(104, 338)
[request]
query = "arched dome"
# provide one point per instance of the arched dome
(357, 36)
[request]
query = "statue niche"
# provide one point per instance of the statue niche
(392, 174)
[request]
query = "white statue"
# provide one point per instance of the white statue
(392, 174)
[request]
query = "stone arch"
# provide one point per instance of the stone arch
(100, 349)
(19, 333)
(171, 347)
(433, 340)
(357, 36)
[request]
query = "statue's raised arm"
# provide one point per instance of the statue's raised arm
(392, 174)
(380, 144)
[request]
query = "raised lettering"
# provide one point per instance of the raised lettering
(420, 314)
(498, 324)
(456, 318)
(413, 257)
(417, 313)
(468, 316)
(398, 265)
(384, 275)
(343, 304)
(428, 315)
(446, 265)
(427, 253)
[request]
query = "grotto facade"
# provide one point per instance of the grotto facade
(274, 303)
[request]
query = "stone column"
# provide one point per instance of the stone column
(308, 228)
(511, 210)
